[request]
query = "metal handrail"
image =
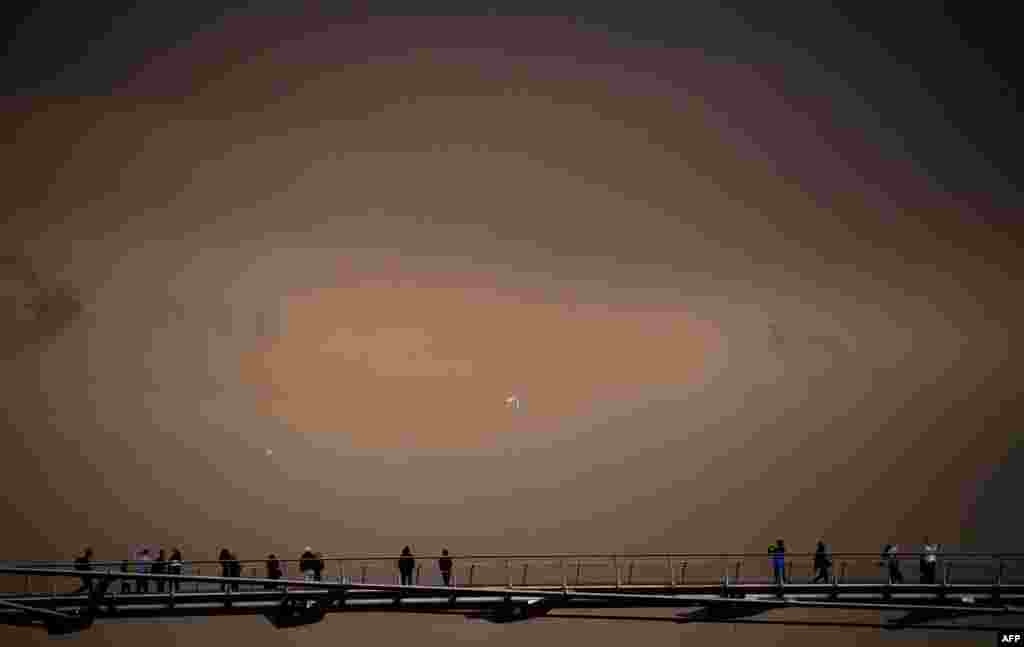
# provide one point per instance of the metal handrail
(554, 556)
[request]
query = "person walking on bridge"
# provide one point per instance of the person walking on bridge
(821, 563)
(445, 566)
(406, 565)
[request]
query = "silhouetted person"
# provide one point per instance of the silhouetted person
(236, 570)
(307, 564)
(406, 565)
(84, 563)
(226, 569)
(318, 567)
(174, 567)
(445, 565)
(929, 561)
(779, 562)
(144, 561)
(821, 563)
(890, 556)
(160, 568)
(274, 571)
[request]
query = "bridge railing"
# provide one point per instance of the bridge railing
(574, 570)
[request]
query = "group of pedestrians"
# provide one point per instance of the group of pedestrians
(890, 559)
(777, 555)
(311, 565)
(142, 561)
(928, 564)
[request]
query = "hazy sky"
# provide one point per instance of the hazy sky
(737, 300)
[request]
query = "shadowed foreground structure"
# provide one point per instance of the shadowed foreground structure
(993, 604)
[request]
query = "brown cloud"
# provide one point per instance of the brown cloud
(428, 363)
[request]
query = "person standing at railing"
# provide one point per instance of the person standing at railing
(226, 569)
(445, 566)
(318, 566)
(307, 563)
(274, 571)
(236, 570)
(821, 563)
(890, 555)
(160, 568)
(929, 561)
(406, 565)
(779, 562)
(174, 567)
(83, 563)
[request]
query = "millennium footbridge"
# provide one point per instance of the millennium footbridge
(973, 592)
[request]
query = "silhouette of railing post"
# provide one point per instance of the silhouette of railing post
(472, 570)
(629, 578)
(618, 573)
(579, 571)
(789, 572)
(997, 581)
(341, 571)
(525, 566)
(419, 570)
(362, 568)
(508, 573)
(682, 572)
(842, 571)
(671, 574)
(739, 565)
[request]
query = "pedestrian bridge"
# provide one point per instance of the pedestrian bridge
(503, 588)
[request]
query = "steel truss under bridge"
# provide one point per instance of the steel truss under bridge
(293, 603)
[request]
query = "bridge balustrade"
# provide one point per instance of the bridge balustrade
(572, 570)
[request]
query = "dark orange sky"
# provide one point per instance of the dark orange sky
(350, 244)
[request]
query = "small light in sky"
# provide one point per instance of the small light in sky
(270, 452)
